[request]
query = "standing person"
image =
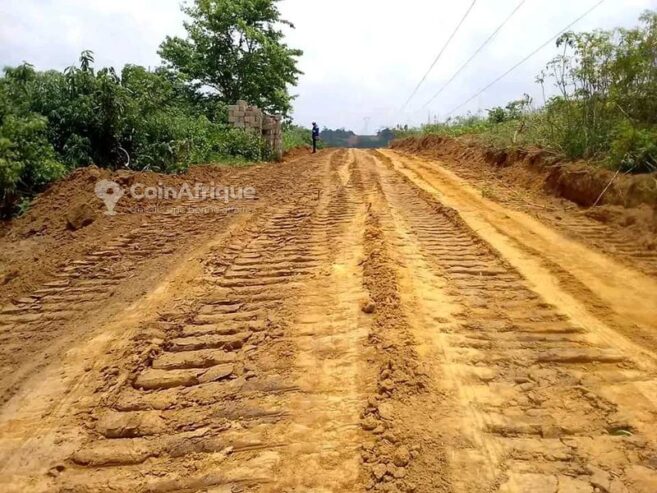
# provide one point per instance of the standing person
(315, 137)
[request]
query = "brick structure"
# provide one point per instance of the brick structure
(252, 118)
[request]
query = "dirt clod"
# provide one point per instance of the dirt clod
(368, 306)
(402, 456)
(369, 423)
(80, 216)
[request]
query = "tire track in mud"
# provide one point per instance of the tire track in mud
(261, 374)
(608, 240)
(43, 321)
(34, 322)
(355, 335)
(619, 299)
(399, 456)
(580, 224)
(544, 406)
(329, 331)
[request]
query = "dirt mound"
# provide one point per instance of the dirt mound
(69, 219)
(297, 152)
(578, 182)
(49, 212)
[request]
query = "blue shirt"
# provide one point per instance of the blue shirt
(315, 132)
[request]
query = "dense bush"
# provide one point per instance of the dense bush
(295, 136)
(51, 122)
(605, 108)
(164, 119)
(27, 160)
(342, 137)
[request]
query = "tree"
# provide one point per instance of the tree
(385, 136)
(236, 48)
(607, 82)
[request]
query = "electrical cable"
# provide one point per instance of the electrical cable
(527, 57)
(474, 55)
(440, 54)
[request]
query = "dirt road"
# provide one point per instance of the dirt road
(371, 323)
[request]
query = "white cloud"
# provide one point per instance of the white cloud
(52, 33)
(362, 58)
(365, 60)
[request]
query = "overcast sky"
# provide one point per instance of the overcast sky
(362, 58)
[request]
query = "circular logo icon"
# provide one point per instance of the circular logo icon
(110, 193)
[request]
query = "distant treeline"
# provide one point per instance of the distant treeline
(347, 138)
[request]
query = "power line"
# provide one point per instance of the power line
(474, 55)
(527, 57)
(440, 54)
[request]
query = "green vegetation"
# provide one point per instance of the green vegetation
(162, 120)
(347, 138)
(295, 136)
(605, 109)
(235, 48)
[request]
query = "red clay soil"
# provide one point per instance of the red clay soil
(370, 317)
(297, 152)
(579, 182)
(41, 243)
(559, 192)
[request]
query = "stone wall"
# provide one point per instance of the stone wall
(242, 115)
